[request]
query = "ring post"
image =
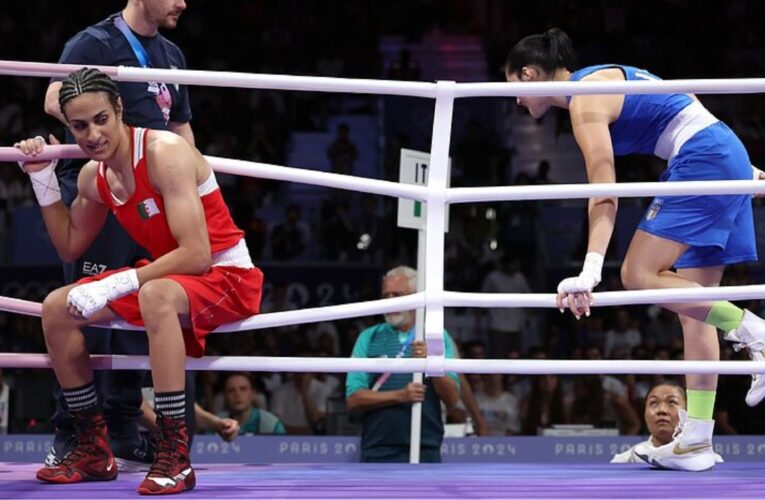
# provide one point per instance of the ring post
(432, 281)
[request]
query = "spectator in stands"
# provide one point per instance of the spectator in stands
(623, 337)
(5, 404)
(663, 405)
(545, 405)
(500, 408)
(405, 67)
(518, 229)
(467, 406)
(240, 395)
(372, 231)
(342, 152)
(663, 330)
(338, 237)
(474, 349)
(386, 400)
(290, 238)
(475, 156)
(506, 325)
(543, 173)
(591, 331)
(300, 401)
(602, 401)
(226, 428)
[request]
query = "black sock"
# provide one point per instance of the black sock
(81, 399)
(170, 404)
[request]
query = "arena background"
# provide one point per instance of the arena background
(344, 241)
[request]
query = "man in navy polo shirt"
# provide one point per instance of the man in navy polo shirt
(127, 38)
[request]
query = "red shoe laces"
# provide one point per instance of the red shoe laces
(86, 447)
(169, 454)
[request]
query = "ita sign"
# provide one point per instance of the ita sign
(414, 170)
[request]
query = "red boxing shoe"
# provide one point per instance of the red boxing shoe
(91, 459)
(171, 472)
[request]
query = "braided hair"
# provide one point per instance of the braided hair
(87, 80)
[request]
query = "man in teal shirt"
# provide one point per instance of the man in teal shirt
(386, 400)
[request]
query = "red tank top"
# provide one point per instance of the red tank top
(143, 215)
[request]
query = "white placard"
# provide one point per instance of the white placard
(413, 169)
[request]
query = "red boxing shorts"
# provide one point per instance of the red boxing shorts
(222, 295)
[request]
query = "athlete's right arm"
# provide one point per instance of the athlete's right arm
(71, 230)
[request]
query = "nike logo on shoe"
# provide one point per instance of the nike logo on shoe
(679, 450)
(171, 481)
(649, 460)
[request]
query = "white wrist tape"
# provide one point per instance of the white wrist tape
(121, 284)
(593, 266)
(45, 185)
(92, 297)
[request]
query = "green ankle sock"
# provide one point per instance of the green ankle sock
(701, 404)
(724, 316)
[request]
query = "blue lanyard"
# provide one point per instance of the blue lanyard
(406, 344)
(384, 377)
(138, 50)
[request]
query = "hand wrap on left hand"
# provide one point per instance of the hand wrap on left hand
(91, 297)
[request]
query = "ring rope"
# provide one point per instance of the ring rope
(450, 299)
(390, 87)
(410, 365)
(453, 195)
(435, 298)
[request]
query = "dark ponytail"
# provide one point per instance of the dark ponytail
(548, 51)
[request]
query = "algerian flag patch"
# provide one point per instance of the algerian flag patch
(147, 208)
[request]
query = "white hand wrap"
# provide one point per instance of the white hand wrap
(94, 296)
(45, 184)
(587, 279)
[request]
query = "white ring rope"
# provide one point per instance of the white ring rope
(450, 299)
(697, 86)
(434, 298)
(260, 170)
(453, 195)
(409, 365)
(621, 190)
(621, 298)
(390, 87)
(229, 79)
(265, 320)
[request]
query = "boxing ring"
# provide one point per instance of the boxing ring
(449, 480)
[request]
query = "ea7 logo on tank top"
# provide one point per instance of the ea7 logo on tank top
(147, 208)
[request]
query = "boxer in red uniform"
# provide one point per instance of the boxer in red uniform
(165, 194)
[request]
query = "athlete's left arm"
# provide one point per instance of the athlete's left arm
(590, 119)
(172, 166)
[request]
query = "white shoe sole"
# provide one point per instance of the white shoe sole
(694, 464)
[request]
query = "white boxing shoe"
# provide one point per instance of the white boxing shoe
(690, 449)
(750, 335)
